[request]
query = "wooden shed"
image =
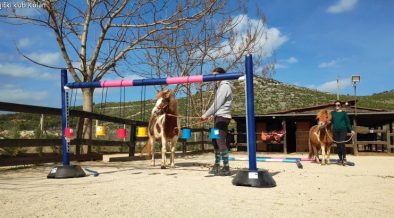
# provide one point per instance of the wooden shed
(297, 122)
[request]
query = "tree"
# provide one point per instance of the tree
(95, 37)
(217, 40)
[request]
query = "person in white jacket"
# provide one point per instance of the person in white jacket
(221, 111)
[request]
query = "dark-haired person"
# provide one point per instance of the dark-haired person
(221, 110)
(341, 127)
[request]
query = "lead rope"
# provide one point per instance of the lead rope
(338, 142)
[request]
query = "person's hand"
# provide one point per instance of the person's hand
(353, 132)
(203, 118)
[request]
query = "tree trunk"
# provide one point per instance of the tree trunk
(87, 128)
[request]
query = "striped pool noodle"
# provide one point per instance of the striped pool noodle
(93, 172)
(155, 81)
(265, 160)
(287, 158)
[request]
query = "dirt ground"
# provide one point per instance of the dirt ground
(135, 189)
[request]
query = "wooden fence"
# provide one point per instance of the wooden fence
(382, 137)
(200, 136)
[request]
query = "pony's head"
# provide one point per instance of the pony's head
(166, 103)
(323, 117)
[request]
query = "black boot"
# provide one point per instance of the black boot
(215, 169)
(225, 171)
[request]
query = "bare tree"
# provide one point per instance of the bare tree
(96, 37)
(216, 40)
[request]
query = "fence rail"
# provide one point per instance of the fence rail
(78, 141)
(388, 142)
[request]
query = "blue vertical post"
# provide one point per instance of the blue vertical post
(66, 159)
(250, 124)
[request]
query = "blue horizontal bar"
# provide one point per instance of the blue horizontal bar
(222, 76)
(149, 82)
(77, 85)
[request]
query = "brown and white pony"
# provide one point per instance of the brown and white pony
(164, 126)
(320, 136)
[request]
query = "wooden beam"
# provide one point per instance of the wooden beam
(12, 107)
(28, 108)
(53, 142)
(378, 142)
(285, 138)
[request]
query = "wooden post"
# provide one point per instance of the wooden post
(202, 139)
(285, 138)
(81, 121)
(355, 145)
(390, 138)
(133, 139)
(388, 141)
(236, 138)
(42, 123)
(183, 147)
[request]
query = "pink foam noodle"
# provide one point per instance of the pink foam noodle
(116, 83)
(184, 79)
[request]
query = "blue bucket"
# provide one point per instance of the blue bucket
(214, 134)
(186, 133)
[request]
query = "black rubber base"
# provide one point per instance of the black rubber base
(259, 179)
(67, 171)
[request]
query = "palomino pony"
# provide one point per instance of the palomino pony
(164, 126)
(320, 136)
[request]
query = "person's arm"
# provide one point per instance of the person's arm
(221, 95)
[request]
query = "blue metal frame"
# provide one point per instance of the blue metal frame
(65, 150)
(250, 124)
(160, 81)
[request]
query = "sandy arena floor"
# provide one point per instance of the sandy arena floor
(135, 189)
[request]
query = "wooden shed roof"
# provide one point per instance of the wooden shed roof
(365, 116)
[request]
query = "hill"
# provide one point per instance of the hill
(270, 96)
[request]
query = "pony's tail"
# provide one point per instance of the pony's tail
(147, 149)
(310, 149)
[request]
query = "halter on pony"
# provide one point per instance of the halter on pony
(162, 106)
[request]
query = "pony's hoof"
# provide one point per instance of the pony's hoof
(323, 164)
(163, 167)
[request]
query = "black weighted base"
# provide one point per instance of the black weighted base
(67, 171)
(259, 179)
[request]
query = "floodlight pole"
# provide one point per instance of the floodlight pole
(355, 80)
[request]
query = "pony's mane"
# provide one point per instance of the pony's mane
(322, 114)
(173, 104)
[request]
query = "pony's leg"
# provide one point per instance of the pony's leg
(316, 152)
(152, 150)
(328, 154)
(323, 154)
(163, 152)
(173, 144)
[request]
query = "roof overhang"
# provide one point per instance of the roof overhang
(363, 119)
